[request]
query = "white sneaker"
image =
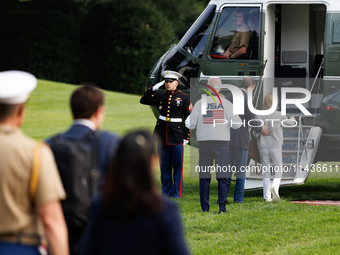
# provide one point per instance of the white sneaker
(269, 200)
(275, 194)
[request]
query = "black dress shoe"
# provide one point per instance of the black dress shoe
(226, 202)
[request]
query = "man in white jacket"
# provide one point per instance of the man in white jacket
(213, 136)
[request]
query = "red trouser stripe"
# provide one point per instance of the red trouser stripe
(181, 186)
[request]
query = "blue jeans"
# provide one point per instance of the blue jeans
(238, 157)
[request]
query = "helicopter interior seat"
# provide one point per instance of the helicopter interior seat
(216, 55)
(252, 50)
(286, 71)
(286, 75)
(293, 69)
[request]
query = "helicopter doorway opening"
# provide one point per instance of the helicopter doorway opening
(296, 49)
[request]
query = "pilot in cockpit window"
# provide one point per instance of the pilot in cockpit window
(239, 44)
(232, 38)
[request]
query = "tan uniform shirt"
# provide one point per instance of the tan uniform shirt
(17, 213)
(240, 39)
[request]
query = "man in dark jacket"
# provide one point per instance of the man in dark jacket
(240, 140)
(87, 105)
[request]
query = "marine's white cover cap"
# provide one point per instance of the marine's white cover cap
(171, 75)
(15, 86)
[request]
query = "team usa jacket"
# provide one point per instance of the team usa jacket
(174, 107)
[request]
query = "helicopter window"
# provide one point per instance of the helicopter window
(336, 32)
(237, 34)
(196, 38)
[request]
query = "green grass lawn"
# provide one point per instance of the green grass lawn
(254, 227)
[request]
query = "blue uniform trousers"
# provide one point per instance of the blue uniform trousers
(208, 152)
(17, 249)
(171, 159)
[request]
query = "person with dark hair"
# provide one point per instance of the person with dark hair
(87, 106)
(173, 106)
(130, 216)
(239, 44)
(85, 101)
(240, 141)
(30, 188)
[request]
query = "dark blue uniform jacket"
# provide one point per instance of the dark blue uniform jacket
(173, 104)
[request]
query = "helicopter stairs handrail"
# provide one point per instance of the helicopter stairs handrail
(317, 75)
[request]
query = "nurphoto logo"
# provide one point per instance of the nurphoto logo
(238, 104)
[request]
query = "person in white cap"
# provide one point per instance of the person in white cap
(173, 106)
(30, 185)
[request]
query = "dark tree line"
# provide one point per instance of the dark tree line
(112, 43)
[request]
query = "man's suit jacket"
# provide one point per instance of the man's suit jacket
(171, 104)
(240, 138)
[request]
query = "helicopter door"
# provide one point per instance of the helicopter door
(234, 49)
(299, 50)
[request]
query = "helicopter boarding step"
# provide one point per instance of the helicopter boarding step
(299, 148)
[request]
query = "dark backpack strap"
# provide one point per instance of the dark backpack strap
(95, 175)
(57, 138)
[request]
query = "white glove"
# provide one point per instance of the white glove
(187, 122)
(157, 86)
(185, 142)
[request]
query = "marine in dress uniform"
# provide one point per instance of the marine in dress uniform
(30, 214)
(173, 106)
